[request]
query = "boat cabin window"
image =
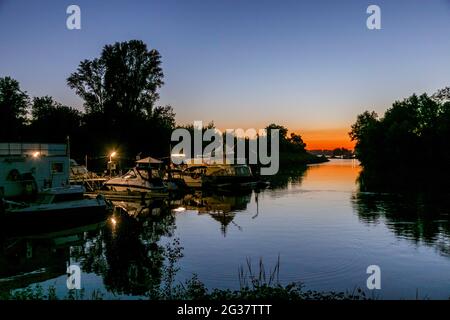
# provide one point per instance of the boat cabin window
(13, 175)
(57, 168)
(143, 173)
(195, 171)
(219, 171)
(243, 171)
(130, 175)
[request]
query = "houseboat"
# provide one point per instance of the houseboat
(35, 190)
(28, 168)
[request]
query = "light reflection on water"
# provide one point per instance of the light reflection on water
(325, 232)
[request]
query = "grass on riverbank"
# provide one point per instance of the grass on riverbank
(194, 289)
(260, 285)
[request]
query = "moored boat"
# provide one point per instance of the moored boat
(220, 176)
(135, 180)
(52, 206)
(146, 177)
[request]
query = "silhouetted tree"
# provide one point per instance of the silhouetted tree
(297, 141)
(53, 122)
(89, 84)
(125, 79)
(342, 152)
(120, 90)
(292, 148)
(288, 143)
(412, 134)
(13, 109)
(442, 95)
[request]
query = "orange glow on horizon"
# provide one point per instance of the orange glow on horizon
(327, 139)
(324, 139)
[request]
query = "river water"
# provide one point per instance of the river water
(313, 223)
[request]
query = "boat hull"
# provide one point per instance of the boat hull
(229, 182)
(131, 188)
(23, 221)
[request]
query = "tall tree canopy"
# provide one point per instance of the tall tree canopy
(411, 135)
(13, 109)
(288, 143)
(53, 122)
(124, 79)
(120, 92)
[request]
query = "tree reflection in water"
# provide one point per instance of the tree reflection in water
(285, 176)
(421, 217)
(126, 253)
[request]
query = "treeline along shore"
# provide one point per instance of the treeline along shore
(120, 97)
(409, 147)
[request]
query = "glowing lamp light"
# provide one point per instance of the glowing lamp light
(179, 209)
(36, 154)
(113, 221)
(112, 155)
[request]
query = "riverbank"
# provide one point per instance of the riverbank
(299, 158)
(194, 289)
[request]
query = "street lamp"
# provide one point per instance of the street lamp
(110, 164)
(112, 155)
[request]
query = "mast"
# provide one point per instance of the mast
(68, 147)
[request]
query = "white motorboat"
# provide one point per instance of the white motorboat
(55, 203)
(146, 177)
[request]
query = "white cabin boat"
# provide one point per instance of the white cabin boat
(146, 177)
(57, 201)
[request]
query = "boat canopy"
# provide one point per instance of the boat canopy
(149, 160)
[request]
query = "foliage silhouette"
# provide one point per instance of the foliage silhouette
(408, 149)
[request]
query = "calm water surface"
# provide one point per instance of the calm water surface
(324, 231)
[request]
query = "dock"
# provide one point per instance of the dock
(128, 196)
(91, 184)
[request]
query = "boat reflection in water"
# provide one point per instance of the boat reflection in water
(140, 210)
(129, 249)
(34, 258)
(222, 207)
(123, 249)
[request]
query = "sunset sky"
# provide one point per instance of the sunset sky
(312, 67)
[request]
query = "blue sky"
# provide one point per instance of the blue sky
(307, 65)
